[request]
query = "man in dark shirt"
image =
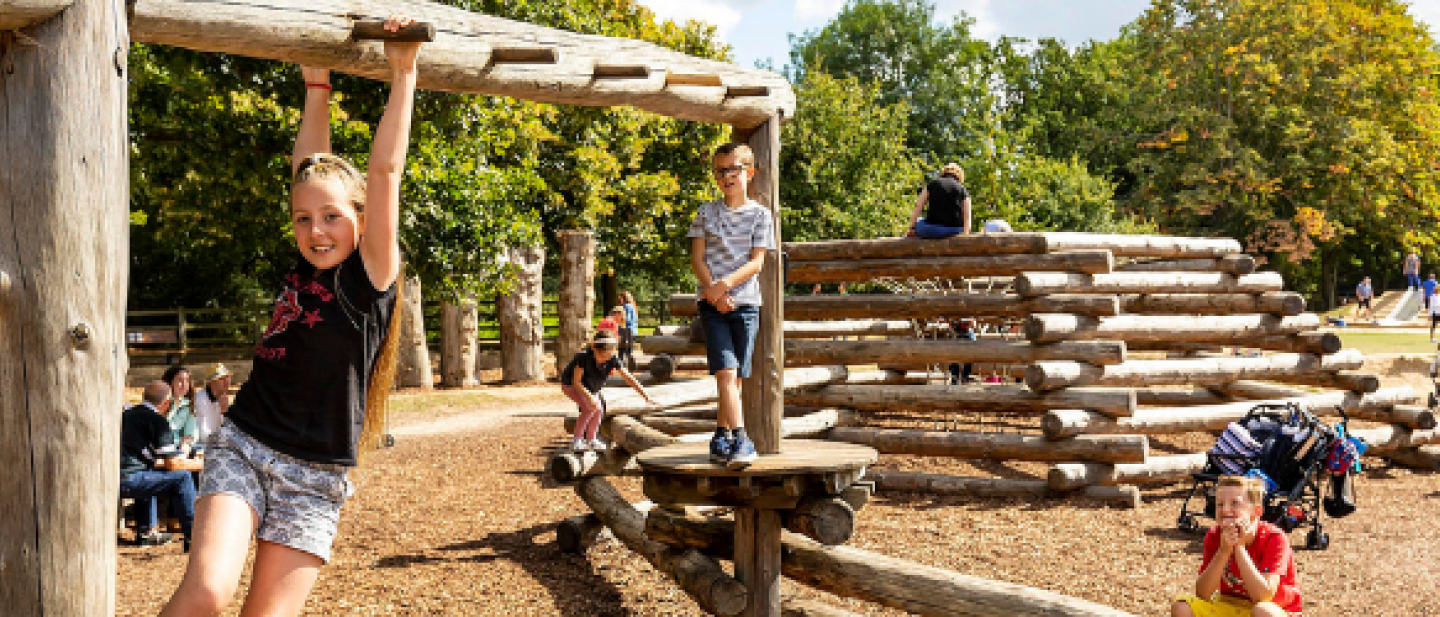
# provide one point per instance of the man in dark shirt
(149, 466)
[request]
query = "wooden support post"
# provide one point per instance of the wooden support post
(459, 343)
(763, 394)
(757, 559)
(577, 293)
(522, 329)
(412, 368)
(64, 200)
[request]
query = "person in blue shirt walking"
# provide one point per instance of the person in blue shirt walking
(1428, 288)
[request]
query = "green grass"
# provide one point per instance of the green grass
(1387, 342)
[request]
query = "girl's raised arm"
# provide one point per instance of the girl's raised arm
(314, 136)
(380, 245)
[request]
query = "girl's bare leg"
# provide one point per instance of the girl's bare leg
(281, 581)
(224, 524)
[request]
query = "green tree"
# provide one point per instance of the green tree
(846, 170)
(1310, 128)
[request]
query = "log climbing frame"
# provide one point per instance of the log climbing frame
(64, 206)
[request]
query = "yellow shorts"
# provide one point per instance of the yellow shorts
(1221, 606)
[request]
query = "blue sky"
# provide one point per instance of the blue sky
(757, 28)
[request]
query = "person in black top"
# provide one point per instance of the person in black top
(150, 467)
(949, 212)
(582, 379)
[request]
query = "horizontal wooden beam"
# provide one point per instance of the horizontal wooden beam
(818, 329)
(475, 53)
(944, 484)
(1186, 371)
(801, 352)
(1233, 264)
(986, 397)
(860, 270)
(997, 446)
(892, 248)
(1155, 470)
(925, 306)
(1166, 247)
(1284, 303)
(16, 14)
(1221, 329)
(1045, 283)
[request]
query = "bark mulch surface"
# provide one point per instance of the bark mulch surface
(455, 520)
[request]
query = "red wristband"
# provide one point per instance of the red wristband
(317, 85)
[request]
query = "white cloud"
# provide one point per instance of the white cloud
(1428, 13)
(723, 14)
(986, 26)
(817, 11)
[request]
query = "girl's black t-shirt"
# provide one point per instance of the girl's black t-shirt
(593, 374)
(306, 392)
(945, 196)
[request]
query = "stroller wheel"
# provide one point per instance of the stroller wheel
(1188, 524)
(1317, 540)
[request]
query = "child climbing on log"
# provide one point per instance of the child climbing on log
(1248, 569)
(729, 237)
(277, 467)
(582, 379)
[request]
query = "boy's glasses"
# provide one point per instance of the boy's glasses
(733, 170)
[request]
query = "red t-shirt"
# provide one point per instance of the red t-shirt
(608, 323)
(1270, 552)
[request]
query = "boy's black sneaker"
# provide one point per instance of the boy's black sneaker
(153, 538)
(743, 452)
(721, 447)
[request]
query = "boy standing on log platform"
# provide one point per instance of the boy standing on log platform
(729, 238)
(1248, 568)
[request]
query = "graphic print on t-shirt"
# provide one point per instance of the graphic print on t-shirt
(289, 310)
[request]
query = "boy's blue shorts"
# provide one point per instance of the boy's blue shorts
(729, 337)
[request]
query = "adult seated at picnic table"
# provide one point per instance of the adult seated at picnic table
(212, 402)
(151, 466)
(949, 206)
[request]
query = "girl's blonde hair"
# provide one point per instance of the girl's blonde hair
(953, 170)
(326, 166)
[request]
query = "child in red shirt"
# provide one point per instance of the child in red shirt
(1248, 569)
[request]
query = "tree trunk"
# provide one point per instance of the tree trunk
(459, 343)
(1155, 470)
(1043, 376)
(609, 291)
(577, 294)
(941, 484)
(855, 271)
(64, 248)
(522, 329)
(1046, 283)
(1218, 329)
(1284, 303)
(997, 446)
(412, 369)
(925, 306)
(989, 397)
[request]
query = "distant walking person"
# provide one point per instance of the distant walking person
(1428, 287)
(1412, 269)
(1363, 295)
(1434, 316)
(949, 206)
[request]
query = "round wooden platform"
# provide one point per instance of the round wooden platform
(796, 457)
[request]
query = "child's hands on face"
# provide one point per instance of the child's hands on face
(400, 55)
(1229, 535)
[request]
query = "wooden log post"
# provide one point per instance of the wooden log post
(1339, 380)
(577, 293)
(576, 533)
(1385, 439)
(1283, 303)
(412, 369)
(459, 343)
(1221, 329)
(943, 484)
(1155, 470)
(1409, 416)
(828, 520)
(991, 397)
(1043, 376)
(763, 394)
(1426, 457)
(926, 306)
(698, 575)
(856, 271)
(522, 328)
(1045, 283)
(662, 366)
(1257, 390)
(64, 201)
(998, 446)
(1232, 264)
(565, 466)
(1161, 396)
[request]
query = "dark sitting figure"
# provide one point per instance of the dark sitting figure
(150, 467)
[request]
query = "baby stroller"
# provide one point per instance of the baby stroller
(1288, 447)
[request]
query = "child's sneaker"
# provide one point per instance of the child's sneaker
(579, 445)
(598, 446)
(721, 446)
(742, 453)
